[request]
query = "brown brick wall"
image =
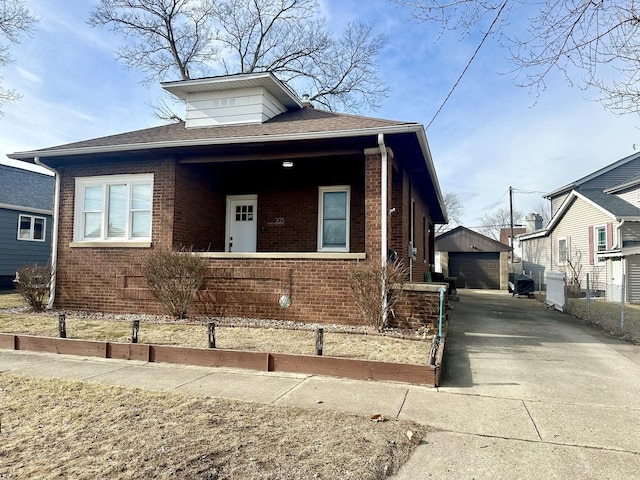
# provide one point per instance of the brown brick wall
(372, 206)
(420, 308)
(400, 223)
(199, 209)
(251, 288)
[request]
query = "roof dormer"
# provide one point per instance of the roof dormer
(234, 99)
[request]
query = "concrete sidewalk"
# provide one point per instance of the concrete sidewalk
(526, 393)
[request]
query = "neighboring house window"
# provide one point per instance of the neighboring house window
(333, 219)
(116, 208)
(31, 228)
(601, 239)
(562, 251)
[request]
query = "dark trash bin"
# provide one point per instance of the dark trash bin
(522, 285)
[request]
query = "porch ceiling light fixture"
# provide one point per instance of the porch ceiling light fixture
(287, 164)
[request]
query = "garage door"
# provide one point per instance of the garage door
(475, 270)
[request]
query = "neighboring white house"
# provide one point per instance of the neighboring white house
(595, 230)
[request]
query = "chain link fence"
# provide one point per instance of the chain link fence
(602, 308)
(617, 318)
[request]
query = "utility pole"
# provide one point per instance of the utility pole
(511, 219)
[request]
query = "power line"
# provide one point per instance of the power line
(486, 35)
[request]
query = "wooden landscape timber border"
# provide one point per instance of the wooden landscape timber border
(214, 357)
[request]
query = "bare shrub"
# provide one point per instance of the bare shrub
(174, 277)
(377, 289)
(33, 282)
(574, 269)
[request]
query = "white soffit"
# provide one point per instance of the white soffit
(183, 88)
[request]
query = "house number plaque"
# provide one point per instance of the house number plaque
(279, 222)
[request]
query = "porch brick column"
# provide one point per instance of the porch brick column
(373, 199)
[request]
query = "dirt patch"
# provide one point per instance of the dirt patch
(607, 316)
(364, 343)
(66, 429)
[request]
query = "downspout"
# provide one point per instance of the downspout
(54, 233)
(383, 198)
(619, 228)
(384, 247)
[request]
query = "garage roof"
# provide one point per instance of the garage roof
(462, 239)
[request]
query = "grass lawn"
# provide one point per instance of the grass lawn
(66, 429)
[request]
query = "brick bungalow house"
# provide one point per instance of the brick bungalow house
(279, 197)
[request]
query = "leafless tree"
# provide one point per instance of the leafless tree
(574, 270)
(492, 222)
(164, 37)
(15, 21)
(453, 205)
(592, 43)
(543, 208)
(194, 38)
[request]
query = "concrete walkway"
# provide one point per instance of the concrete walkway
(527, 393)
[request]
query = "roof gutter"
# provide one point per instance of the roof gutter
(197, 142)
(424, 145)
(54, 234)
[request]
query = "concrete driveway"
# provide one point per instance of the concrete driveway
(528, 393)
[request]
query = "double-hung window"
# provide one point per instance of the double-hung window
(563, 252)
(333, 219)
(601, 239)
(113, 208)
(31, 228)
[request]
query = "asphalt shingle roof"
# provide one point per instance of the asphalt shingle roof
(611, 203)
(306, 120)
(25, 188)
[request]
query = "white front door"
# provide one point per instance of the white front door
(242, 212)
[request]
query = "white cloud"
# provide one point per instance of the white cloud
(28, 76)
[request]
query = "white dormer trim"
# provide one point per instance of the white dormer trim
(231, 100)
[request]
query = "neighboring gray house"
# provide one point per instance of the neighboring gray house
(595, 230)
(26, 206)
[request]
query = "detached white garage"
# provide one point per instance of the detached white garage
(475, 260)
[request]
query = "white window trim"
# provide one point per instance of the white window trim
(106, 180)
(566, 250)
(595, 238)
(31, 229)
(321, 192)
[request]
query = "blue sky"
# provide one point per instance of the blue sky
(490, 135)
